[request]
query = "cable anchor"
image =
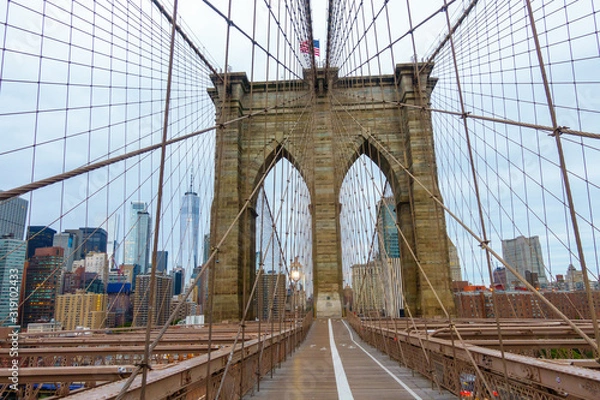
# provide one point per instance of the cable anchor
(559, 131)
(144, 365)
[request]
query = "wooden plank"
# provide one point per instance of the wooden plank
(309, 373)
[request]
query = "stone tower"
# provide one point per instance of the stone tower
(394, 130)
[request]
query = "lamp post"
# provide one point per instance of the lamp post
(295, 277)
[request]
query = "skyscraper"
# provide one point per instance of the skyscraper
(271, 296)
(455, 269)
(93, 239)
(38, 237)
(386, 228)
(137, 240)
(13, 214)
(178, 275)
(119, 303)
(389, 256)
(86, 240)
(42, 283)
(69, 241)
(162, 261)
(206, 248)
(499, 275)
(162, 300)
(524, 254)
(189, 224)
(12, 258)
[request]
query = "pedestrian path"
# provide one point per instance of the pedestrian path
(334, 363)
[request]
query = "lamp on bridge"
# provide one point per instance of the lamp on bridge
(295, 275)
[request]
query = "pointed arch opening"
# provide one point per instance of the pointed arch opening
(371, 259)
(283, 245)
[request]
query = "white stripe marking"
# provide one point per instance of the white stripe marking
(404, 385)
(341, 380)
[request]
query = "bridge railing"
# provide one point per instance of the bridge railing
(248, 363)
(447, 363)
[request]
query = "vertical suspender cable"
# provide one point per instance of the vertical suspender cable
(451, 31)
(152, 295)
(563, 168)
(146, 361)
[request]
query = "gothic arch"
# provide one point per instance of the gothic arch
(366, 147)
(273, 153)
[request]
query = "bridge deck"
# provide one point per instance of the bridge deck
(360, 371)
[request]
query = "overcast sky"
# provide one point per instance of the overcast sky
(497, 68)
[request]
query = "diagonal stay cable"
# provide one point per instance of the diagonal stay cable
(565, 178)
(482, 242)
(486, 247)
(231, 23)
(194, 282)
(18, 191)
(468, 114)
(185, 37)
(161, 175)
(474, 176)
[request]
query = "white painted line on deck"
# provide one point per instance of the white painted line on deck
(404, 385)
(343, 388)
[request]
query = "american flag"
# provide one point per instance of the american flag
(305, 47)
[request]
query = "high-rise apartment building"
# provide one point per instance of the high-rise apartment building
(162, 300)
(38, 237)
(137, 240)
(524, 254)
(81, 309)
(119, 304)
(12, 259)
(272, 289)
(42, 285)
(189, 224)
(187, 308)
(77, 279)
(97, 263)
(13, 214)
(523, 304)
(367, 287)
(391, 273)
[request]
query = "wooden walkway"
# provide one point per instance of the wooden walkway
(350, 369)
